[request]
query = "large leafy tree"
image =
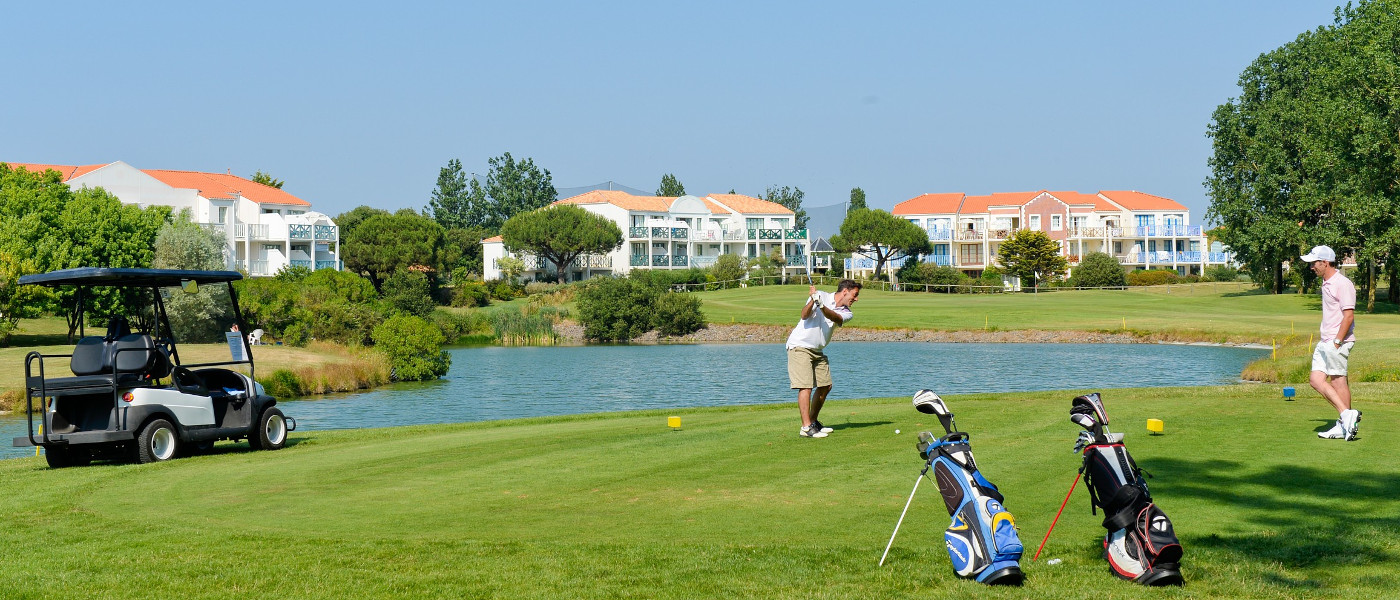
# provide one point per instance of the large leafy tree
(790, 197)
(382, 244)
(670, 186)
(461, 248)
(349, 220)
(880, 236)
(203, 315)
(857, 199)
(513, 188)
(560, 234)
(1098, 270)
(456, 202)
(1031, 255)
(267, 180)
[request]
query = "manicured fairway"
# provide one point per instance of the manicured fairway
(735, 505)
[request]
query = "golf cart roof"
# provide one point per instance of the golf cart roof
(127, 277)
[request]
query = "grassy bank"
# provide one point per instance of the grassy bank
(1205, 312)
(734, 505)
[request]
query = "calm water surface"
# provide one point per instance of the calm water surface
(488, 383)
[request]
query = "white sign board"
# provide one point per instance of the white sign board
(235, 344)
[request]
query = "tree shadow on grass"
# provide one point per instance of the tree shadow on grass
(1299, 516)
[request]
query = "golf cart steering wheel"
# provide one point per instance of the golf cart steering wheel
(188, 382)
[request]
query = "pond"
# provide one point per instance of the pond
(488, 383)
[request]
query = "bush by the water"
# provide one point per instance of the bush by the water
(621, 309)
(414, 348)
(410, 293)
(471, 294)
(1098, 269)
(527, 325)
(678, 314)
(1152, 277)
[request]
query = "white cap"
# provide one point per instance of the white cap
(1320, 253)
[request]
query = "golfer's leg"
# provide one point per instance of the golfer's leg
(819, 400)
(1339, 385)
(1319, 382)
(804, 402)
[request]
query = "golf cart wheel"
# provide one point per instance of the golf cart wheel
(157, 442)
(59, 457)
(272, 431)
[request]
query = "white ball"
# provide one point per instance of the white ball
(896, 431)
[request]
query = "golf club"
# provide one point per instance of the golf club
(902, 513)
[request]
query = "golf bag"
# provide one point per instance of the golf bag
(1141, 545)
(982, 539)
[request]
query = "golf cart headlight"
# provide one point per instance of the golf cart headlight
(128, 397)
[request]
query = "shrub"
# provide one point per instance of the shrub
(471, 294)
(728, 270)
(1098, 269)
(540, 287)
(297, 334)
(523, 326)
(414, 348)
(505, 289)
(615, 309)
(283, 384)
(1222, 273)
(678, 313)
(410, 293)
(1152, 277)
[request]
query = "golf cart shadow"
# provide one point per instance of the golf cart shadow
(1289, 515)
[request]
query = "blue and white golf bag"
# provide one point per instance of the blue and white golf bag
(1141, 545)
(982, 539)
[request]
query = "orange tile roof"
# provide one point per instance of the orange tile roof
(493, 239)
(930, 204)
(750, 204)
(981, 204)
(1134, 200)
(1081, 199)
(223, 186)
(68, 171)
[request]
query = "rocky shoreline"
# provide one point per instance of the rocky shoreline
(773, 334)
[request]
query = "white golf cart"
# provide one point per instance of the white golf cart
(130, 397)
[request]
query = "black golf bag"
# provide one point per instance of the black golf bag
(982, 539)
(1141, 545)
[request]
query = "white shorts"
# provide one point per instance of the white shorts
(1331, 360)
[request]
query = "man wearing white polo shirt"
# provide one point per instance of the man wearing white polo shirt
(807, 364)
(1329, 360)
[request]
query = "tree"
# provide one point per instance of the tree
(349, 220)
(1098, 269)
(455, 202)
(461, 249)
(18, 301)
(880, 236)
(382, 244)
(729, 269)
(615, 310)
(513, 188)
(560, 234)
(202, 316)
(267, 180)
(857, 199)
(414, 347)
(1031, 255)
(791, 197)
(670, 187)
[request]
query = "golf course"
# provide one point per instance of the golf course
(734, 504)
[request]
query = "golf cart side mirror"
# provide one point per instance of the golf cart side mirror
(189, 286)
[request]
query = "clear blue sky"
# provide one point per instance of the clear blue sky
(361, 103)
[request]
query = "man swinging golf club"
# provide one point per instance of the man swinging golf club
(1329, 360)
(807, 364)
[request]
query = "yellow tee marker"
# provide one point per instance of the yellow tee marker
(1154, 426)
(673, 422)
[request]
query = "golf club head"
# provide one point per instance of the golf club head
(925, 439)
(1090, 404)
(928, 402)
(1083, 420)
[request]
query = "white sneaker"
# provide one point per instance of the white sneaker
(1351, 423)
(811, 431)
(1337, 432)
(823, 428)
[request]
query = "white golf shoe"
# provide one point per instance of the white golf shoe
(1351, 423)
(1337, 432)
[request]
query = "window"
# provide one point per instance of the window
(1056, 222)
(296, 212)
(1035, 221)
(1117, 247)
(753, 224)
(1144, 220)
(780, 223)
(269, 211)
(639, 249)
(639, 220)
(223, 214)
(1079, 222)
(919, 222)
(970, 254)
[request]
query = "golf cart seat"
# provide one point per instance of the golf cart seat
(129, 359)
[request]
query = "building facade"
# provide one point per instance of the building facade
(1141, 230)
(265, 228)
(674, 233)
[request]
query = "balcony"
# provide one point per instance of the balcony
(940, 235)
(736, 235)
(637, 232)
(327, 264)
(661, 233)
(299, 232)
(637, 260)
(327, 232)
(1087, 232)
(999, 234)
(302, 263)
(214, 227)
(1220, 257)
(797, 260)
(765, 234)
(1165, 231)
(703, 261)
(794, 234)
(679, 260)
(679, 233)
(660, 260)
(970, 235)
(821, 261)
(707, 235)
(252, 231)
(942, 260)
(253, 267)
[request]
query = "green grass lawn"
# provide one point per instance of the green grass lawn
(733, 505)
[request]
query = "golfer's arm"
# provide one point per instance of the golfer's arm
(807, 310)
(833, 315)
(1348, 316)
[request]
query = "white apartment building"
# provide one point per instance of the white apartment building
(674, 233)
(1141, 230)
(266, 229)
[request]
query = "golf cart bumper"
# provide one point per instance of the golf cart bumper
(76, 438)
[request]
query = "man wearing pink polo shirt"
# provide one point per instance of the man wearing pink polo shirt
(1329, 360)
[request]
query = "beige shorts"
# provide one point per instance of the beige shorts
(1331, 360)
(808, 368)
